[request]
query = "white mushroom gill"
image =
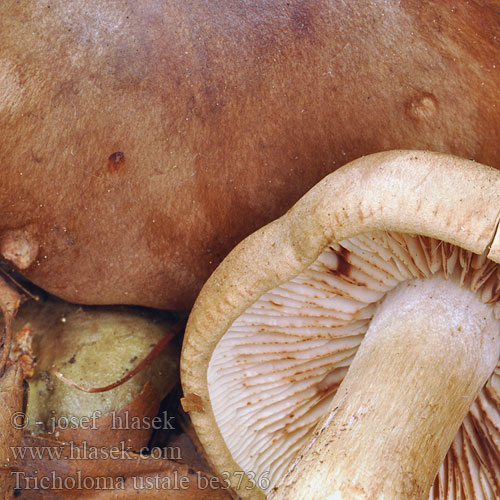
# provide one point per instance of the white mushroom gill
(274, 373)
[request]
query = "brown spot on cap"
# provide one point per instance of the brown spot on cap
(115, 161)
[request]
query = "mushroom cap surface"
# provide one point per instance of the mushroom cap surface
(139, 144)
(406, 193)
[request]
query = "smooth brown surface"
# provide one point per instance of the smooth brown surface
(140, 142)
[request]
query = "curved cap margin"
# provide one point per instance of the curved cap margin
(416, 192)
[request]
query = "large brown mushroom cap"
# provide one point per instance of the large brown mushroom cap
(386, 198)
(140, 143)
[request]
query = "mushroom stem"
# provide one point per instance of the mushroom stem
(428, 351)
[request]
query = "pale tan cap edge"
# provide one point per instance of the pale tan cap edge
(437, 195)
(494, 253)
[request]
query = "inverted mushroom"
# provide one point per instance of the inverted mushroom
(386, 274)
(140, 142)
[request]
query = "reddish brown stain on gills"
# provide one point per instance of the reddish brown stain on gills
(115, 161)
(343, 265)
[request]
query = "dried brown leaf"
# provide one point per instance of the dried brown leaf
(9, 303)
(9, 299)
(22, 351)
(11, 423)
